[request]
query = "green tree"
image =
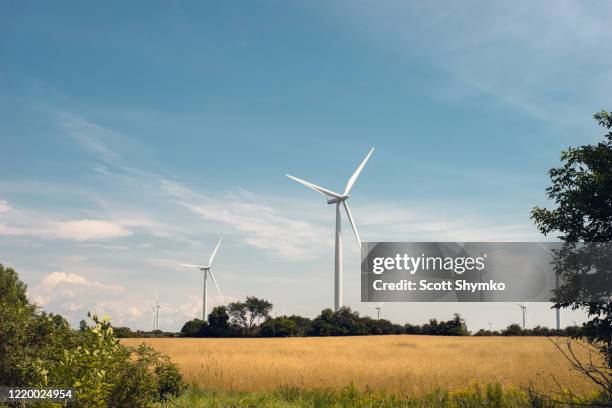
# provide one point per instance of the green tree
(278, 327)
(582, 191)
(302, 324)
(25, 334)
(193, 328)
(246, 314)
(12, 290)
(218, 323)
(343, 322)
(513, 330)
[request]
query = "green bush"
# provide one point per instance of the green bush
(105, 373)
(40, 350)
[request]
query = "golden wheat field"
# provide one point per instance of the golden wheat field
(398, 364)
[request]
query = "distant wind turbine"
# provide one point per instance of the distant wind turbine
(207, 271)
(339, 199)
(378, 308)
(524, 307)
(155, 316)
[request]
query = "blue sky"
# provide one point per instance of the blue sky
(133, 136)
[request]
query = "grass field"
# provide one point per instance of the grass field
(401, 365)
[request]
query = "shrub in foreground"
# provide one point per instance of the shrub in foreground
(105, 373)
(40, 350)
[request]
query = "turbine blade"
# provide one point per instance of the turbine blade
(316, 188)
(192, 266)
(214, 253)
(214, 281)
(353, 178)
(350, 217)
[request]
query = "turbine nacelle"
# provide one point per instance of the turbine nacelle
(335, 200)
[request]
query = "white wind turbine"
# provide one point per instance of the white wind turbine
(155, 316)
(524, 307)
(207, 270)
(339, 199)
(378, 309)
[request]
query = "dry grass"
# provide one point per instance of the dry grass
(399, 364)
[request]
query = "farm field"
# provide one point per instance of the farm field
(400, 365)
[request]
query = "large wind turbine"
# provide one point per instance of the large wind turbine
(207, 270)
(339, 199)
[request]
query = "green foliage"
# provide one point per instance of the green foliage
(91, 368)
(346, 322)
(15, 336)
(40, 350)
(12, 290)
(490, 396)
(218, 323)
(246, 314)
(582, 191)
(513, 330)
(126, 333)
(454, 327)
(278, 327)
(105, 373)
(193, 328)
(26, 337)
(150, 377)
(120, 332)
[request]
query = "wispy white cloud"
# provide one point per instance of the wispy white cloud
(259, 224)
(14, 222)
(397, 222)
(84, 230)
(90, 136)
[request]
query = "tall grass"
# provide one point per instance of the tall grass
(490, 396)
(397, 365)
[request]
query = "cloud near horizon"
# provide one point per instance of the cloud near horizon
(73, 295)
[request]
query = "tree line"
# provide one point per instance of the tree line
(252, 318)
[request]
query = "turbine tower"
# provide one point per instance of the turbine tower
(339, 200)
(155, 316)
(524, 307)
(207, 271)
